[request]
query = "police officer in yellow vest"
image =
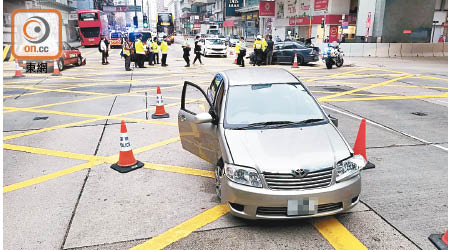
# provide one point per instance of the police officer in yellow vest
(127, 53)
(258, 49)
(241, 51)
(155, 50)
(140, 52)
(164, 51)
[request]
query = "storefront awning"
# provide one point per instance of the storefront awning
(248, 9)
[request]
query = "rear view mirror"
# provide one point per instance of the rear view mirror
(334, 120)
(203, 118)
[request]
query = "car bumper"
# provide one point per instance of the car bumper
(216, 52)
(254, 203)
(312, 58)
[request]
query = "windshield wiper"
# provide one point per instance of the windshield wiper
(300, 122)
(263, 124)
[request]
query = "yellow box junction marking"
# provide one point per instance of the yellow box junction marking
(184, 229)
(337, 235)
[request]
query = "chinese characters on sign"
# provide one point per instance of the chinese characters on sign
(267, 8)
(290, 8)
(31, 67)
(233, 4)
(320, 4)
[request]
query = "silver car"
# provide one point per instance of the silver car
(276, 153)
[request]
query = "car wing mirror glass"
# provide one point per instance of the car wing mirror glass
(334, 120)
(203, 118)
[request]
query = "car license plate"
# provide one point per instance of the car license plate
(90, 39)
(302, 207)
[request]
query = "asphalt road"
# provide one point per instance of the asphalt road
(61, 134)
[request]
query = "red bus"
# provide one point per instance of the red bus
(92, 24)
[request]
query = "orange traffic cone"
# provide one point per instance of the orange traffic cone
(159, 112)
(295, 64)
(360, 144)
(56, 69)
(126, 162)
(231, 52)
(18, 70)
(440, 240)
(235, 60)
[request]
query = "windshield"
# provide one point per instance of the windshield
(213, 32)
(116, 35)
(214, 41)
(258, 103)
(88, 17)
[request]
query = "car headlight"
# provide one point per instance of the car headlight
(243, 175)
(349, 168)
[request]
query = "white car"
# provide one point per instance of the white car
(214, 47)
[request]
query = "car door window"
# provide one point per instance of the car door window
(66, 46)
(194, 100)
(299, 46)
(219, 98)
(212, 90)
(278, 46)
(289, 46)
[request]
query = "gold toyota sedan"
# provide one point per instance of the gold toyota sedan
(277, 155)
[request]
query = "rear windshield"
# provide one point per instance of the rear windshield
(88, 17)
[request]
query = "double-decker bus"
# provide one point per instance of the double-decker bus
(92, 24)
(165, 24)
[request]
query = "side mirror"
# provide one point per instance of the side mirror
(203, 118)
(334, 120)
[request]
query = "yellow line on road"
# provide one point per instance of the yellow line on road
(337, 235)
(47, 177)
(363, 88)
(50, 152)
(180, 170)
(184, 229)
(385, 98)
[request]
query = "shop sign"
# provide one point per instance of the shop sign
(290, 8)
(280, 9)
(333, 36)
(320, 4)
(231, 6)
(267, 8)
(304, 4)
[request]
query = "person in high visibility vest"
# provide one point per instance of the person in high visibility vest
(155, 50)
(164, 51)
(140, 52)
(258, 49)
(241, 51)
(149, 51)
(127, 53)
(264, 41)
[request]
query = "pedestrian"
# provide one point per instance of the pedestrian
(197, 51)
(140, 52)
(269, 51)
(107, 49)
(126, 48)
(155, 49)
(186, 51)
(296, 37)
(278, 39)
(164, 51)
(149, 51)
(257, 48)
(241, 50)
(102, 49)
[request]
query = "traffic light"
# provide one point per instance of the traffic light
(145, 21)
(135, 21)
(322, 25)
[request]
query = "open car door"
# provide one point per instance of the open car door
(196, 124)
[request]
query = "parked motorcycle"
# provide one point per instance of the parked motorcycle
(333, 55)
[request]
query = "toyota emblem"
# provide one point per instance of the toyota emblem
(300, 173)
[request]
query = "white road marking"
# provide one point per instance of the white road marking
(387, 128)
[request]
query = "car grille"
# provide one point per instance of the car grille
(282, 211)
(218, 49)
(283, 181)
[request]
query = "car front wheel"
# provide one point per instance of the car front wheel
(60, 64)
(79, 61)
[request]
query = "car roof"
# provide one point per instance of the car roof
(258, 76)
